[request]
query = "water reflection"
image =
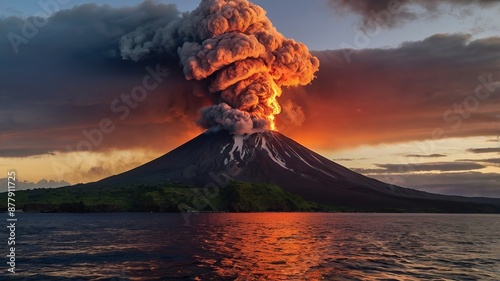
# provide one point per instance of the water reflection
(265, 247)
(270, 246)
(298, 246)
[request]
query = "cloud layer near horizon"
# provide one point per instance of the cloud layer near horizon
(66, 78)
(458, 183)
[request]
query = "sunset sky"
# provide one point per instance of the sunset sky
(408, 94)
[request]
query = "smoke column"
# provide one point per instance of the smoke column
(235, 48)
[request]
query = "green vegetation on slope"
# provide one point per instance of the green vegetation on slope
(235, 197)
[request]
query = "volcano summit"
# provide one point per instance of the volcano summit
(245, 61)
(213, 159)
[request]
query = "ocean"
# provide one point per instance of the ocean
(255, 246)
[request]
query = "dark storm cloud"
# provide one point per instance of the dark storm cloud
(65, 78)
(62, 78)
(440, 87)
(484, 150)
(426, 156)
(393, 13)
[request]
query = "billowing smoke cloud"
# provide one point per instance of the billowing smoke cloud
(235, 48)
(393, 13)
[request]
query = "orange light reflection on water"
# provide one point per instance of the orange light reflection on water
(272, 247)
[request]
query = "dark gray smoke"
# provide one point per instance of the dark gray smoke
(235, 47)
(393, 13)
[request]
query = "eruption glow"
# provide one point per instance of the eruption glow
(246, 61)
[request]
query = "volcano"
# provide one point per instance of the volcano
(213, 159)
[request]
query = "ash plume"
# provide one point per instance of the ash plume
(235, 48)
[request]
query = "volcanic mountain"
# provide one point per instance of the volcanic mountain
(214, 158)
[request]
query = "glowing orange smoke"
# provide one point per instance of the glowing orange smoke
(272, 102)
(247, 61)
(235, 47)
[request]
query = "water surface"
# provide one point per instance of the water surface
(257, 246)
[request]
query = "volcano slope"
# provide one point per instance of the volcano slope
(213, 159)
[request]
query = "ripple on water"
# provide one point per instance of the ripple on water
(263, 246)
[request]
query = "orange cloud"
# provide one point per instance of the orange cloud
(444, 86)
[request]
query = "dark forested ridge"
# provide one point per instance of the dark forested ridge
(235, 197)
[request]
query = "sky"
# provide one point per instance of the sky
(408, 94)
